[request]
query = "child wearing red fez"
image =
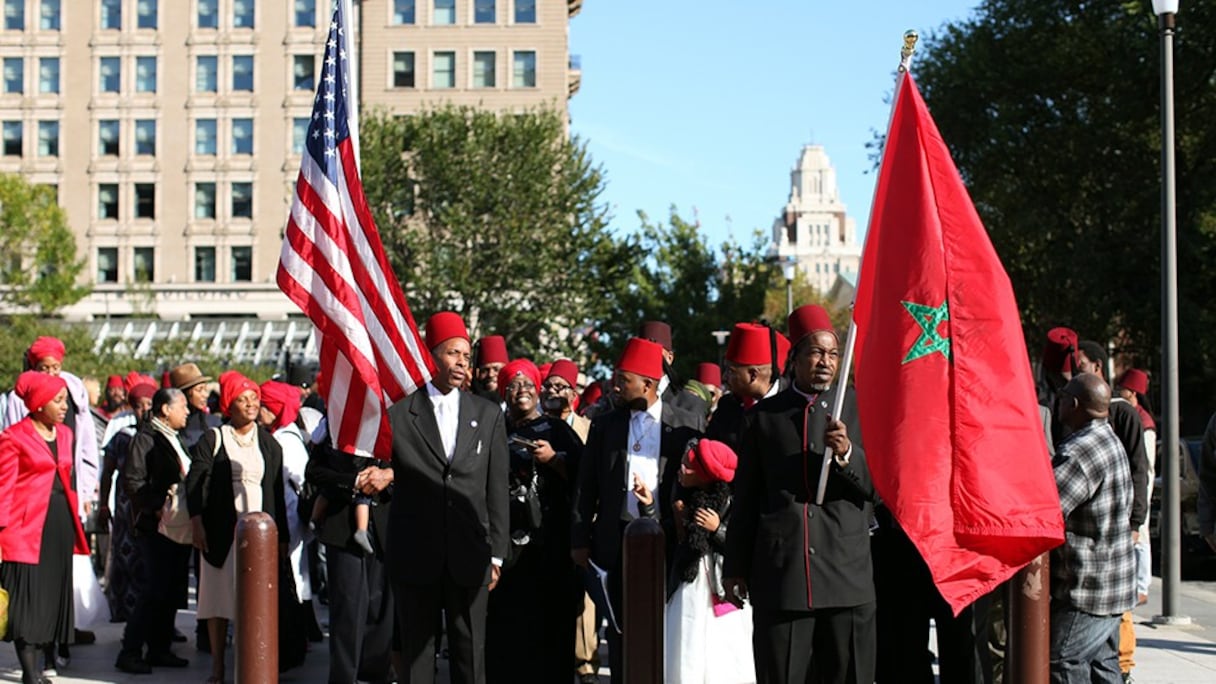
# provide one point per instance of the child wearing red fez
(708, 639)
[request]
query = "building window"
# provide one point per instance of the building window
(306, 13)
(107, 201)
(525, 70)
(242, 200)
(206, 74)
(204, 264)
(111, 14)
(483, 69)
(242, 264)
(242, 136)
(107, 264)
(145, 14)
(445, 12)
(303, 72)
(144, 262)
(242, 13)
(204, 200)
(12, 138)
(107, 138)
(48, 138)
(404, 11)
(145, 200)
(443, 65)
(14, 75)
(484, 12)
(242, 73)
(299, 133)
(50, 15)
(403, 70)
(14, 15)
(204, 137)
(48, 75)
(145, 74)
(525, 11)
(208, 14)
(109, 74)
(145, 137)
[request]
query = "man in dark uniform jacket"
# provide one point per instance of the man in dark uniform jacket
(755, 357)
(448, 521)
(805, 567)
(671, 388)
(642, 441)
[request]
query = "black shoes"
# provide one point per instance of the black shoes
(166, 660)
(84, 637)
(132, 664)
(178, 637)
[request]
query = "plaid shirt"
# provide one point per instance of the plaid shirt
(1095, 570)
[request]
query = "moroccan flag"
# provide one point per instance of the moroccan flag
(947, 404)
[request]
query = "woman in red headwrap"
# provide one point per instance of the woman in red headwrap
(235, 469)
(531, 614)
(39, 529)
(708, 638)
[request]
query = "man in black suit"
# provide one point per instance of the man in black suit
(641, 442)
(755, 358)
(805, 568)
(448, 522)
(671, 387)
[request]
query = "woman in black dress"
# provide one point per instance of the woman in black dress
(39, 529)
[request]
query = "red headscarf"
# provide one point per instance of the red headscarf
(141, 390)
(713, 460)
(283, 400)
(44, 347)
(37, 389)
(522, 367)
(233, 385)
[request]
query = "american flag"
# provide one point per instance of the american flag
(334, 268)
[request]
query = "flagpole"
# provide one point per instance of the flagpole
(846, 364)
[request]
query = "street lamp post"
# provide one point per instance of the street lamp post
(1171, 559)
(790, 268)
(721, 337)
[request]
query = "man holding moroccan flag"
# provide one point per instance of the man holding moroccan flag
(945, 395)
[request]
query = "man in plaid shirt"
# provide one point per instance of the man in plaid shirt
(1093, 574)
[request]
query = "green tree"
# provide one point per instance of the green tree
(498, 217)
(775, 304)
(692, 286)
(38, 265)
(1051, 111)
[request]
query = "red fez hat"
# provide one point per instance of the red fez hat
(642, 357)
(807, 320)
(443, 326)
(37, 389)
(492, 349)
(564, 369)
(283, 400)
(44, 347)
(140, 390)
(709, 374)
(115, 381)
(751, 345)
(1133, 379)
(233, 385)
(656, 331)
(522, 367)
(713, 460)
(592, 394)
(1060, 350)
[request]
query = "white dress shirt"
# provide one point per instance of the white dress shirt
(645, 435)
(447, 415)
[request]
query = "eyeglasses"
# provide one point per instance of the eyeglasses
(521, 387)
(556, 387)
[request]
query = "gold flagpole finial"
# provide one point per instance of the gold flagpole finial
(905, 53)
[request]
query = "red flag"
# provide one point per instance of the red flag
(947, 404)
(333, 267)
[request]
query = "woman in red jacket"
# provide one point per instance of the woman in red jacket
(39, 530)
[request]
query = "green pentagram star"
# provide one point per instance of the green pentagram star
(928, 318)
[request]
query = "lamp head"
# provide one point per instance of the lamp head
(789, 268)
(1161, 7)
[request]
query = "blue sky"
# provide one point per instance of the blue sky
(707, 103)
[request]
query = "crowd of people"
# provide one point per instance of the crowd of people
(492, 533)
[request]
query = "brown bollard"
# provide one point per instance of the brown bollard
(257, 599)
(644, 585)
(1028, 650)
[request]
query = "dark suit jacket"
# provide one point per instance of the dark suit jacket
(797, 556)
(333, 473)
(599, 496)
(209, 491)
(151, 467)
(447, 517)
